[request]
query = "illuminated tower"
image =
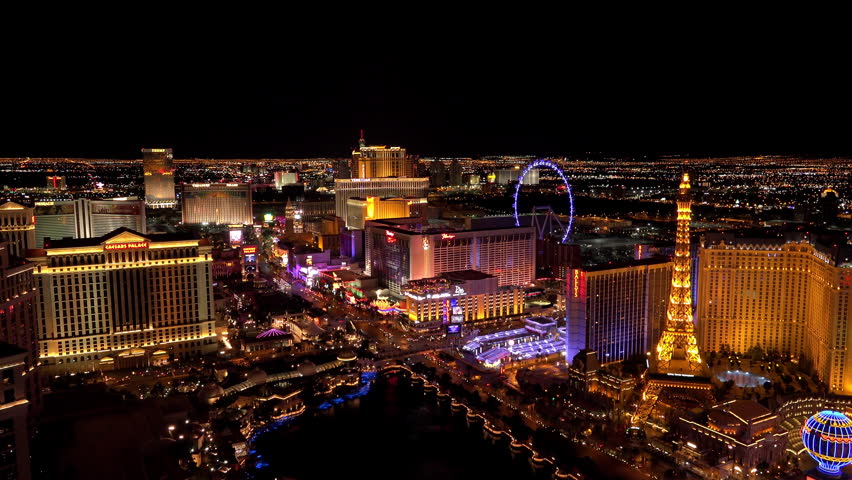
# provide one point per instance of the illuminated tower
(678, 338)
(677, 371)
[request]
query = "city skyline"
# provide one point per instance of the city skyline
(613, 252)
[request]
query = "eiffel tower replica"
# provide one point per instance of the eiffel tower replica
(677, 370)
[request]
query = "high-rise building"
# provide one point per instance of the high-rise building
(380, 161)
(506, 176)
(14, 406)
(554, 258)
(293, 216)
(84, 218)
(361, 210)
(17, 228)
(455, 172)
(827, 207)
(400, 250)
(616, 310)
(18, 354)
(789, 294)
(437, 174)
(17, 309)
(285, 178)
(56, 182)
(217, 203)
(344, 168)
(123, 300)
(158, 168)
(344, 189)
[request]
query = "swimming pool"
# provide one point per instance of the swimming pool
(741, 378)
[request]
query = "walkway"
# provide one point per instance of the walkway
(279, 377)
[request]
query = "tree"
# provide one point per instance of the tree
(763, 470)
(755, 353)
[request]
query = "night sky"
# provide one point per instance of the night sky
(644, 92)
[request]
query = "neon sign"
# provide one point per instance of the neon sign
(576, 283)
(390, 236)
(446, 236)
(125, 246)
(249, 249)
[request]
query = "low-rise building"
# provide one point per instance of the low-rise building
(585, 374)
(268, 341)
(465, 296)
(226, 263)
(742, 430)
(362, 209)
(539, 341)
(355, 287)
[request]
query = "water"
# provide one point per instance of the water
(741, 378)
(395, 431)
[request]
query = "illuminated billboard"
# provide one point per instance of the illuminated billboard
(236, 236)
(125, 246)
(454, 328)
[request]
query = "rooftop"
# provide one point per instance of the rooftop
(745, 410)
(627, 264)
(8, 350)
(423, 226)
(444, 281)
(466, 275)
(343, 275)
(91, 242)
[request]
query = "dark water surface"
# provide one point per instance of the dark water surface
(393, 432)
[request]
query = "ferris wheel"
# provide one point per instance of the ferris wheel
(565, 228)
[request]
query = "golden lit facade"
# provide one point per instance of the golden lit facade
(217, 203)
(17, 228)
(360, 210)
(158, 168)
(679, 332)
(123, 300)
(85, 218)
(466, 296)
(380, 161)
(789, 296)
(347, 188)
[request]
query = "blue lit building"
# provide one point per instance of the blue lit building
(539, 340)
